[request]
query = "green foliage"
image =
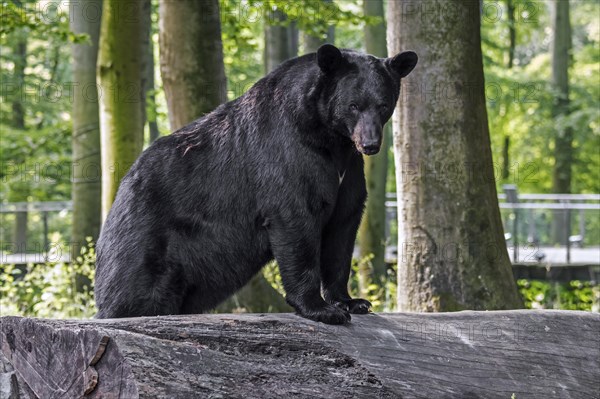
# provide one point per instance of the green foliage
(575, 295)
(48, 20)
(271, 274)
(520, 99)
(242, 26)
(36, 164)
(36, 160)
(381, 294)
(241, 32)
(48, 290)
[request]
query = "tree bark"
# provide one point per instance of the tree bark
(154, 133)
(54, 71)
(512, 43)
(148, 81)
(146, 64)
(191, 59)
(280, 41)
(512, 33)
(312, 43)
(506, 158)
(293, 39)
(20, 62)
(120, 68)
(20, 190)
(372, 229)
(86, 182)
(451, 248)
(563, 141)
(528, 354)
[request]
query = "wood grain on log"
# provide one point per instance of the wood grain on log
(531, 354)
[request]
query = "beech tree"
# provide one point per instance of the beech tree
(20, 192)
(191, 59)
(451, 250)
(85, 17)
(120, 68)
(512, 44)
(563, 140)
(281, 41)
(372, 229)
(148, 98)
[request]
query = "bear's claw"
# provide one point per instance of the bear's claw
(355, 306)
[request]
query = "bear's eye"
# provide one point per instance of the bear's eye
(353, 107)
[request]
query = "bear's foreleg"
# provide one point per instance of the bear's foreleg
(337, 245)
(296, 246)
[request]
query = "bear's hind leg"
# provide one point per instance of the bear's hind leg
(151, 294)
(193, 303)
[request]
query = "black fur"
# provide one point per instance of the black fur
(202, 210)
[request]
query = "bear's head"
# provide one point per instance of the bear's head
(360, 93)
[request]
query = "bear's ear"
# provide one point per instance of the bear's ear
(329, 58)
(403, 63)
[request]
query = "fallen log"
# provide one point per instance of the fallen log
(528, 354)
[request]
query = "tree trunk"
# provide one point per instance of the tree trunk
(311, 42)
(191, 62)
(563, 142)
(20, 190)
(87, 181)
(56, 58)
(372, 229)
(506, 158)
(512, 43)
(512, 33)
(256, 296)
(120, 76)
(146, 65)
(154, 133)
(20, 231)
(279, 40)
(522, 354)
(191, 59)
(451, 248)
(20, 62)
(148, 81)
(293, 39)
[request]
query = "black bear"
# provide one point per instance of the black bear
(276, 173)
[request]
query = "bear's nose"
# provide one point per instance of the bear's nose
(370, 148)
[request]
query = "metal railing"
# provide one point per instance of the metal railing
(527, 218)
(42, 219)
(528, 221)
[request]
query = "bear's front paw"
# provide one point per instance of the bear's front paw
(328, 314)
(356, 306)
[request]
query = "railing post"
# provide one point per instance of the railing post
(568, 232)
(516, 234)
(532, 235)
(582, 225)
(46, 243)
(512, 197)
